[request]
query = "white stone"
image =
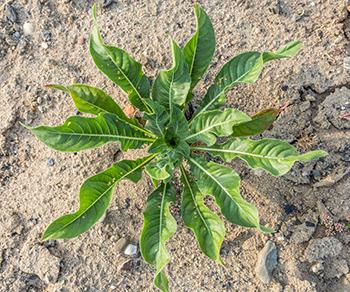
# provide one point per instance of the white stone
(317, 268)
(28, 28)
(131, 250)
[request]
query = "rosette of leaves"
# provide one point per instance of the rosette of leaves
(176, 142)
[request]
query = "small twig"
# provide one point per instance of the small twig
(345, 116)
(284, 106)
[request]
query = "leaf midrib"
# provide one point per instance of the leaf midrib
(238, 152)
(223, 91)
(80, 86)
(157, 120)
(209, 128)
(215, 180)
(161, 223)
(171, 95)
(102, 195)
(104, 47)
(127, 78)
(124, 119)
(102, 135)
(196, 36)
(223, 188)
(195, 202)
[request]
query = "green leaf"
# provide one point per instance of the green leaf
(223, 183)
(178, 125)
(258, 124)
(200, 49)
(161, 281)
(171, 130)
(157, 172)
(291, 49)
(80, 133)
(172, 86)
(274, 156)
(206, 225)
(212, 124)
(91, 100)
(95, 196)
(168, 159)
(119, 67)
(158, 146)
(158, 119)
(159, 225)
(244, 68)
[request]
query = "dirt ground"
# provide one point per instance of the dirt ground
(43, 41)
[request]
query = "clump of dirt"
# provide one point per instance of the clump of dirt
(45, 42)
(335, 110)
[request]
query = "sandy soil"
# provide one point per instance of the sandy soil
(38, 184)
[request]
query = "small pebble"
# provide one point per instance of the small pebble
(305, 173)
(28, 28)
(125, 266)
(317, 268)
(16, 35)
(345, 153)
(41, 109)
(46, 35)
(131, 250)
(120, 244)
(81, 40)
(346, 63)
(39, 100)
(10, 13)
(70, 20)
(289, 208)
(127, 203)
(305, 106)
(316, 173)
(50, 161)
(284, 87)
(50, 243)
(107, 3)
(44, 46)
(310, 98)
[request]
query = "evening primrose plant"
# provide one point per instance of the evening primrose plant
(176, 141)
